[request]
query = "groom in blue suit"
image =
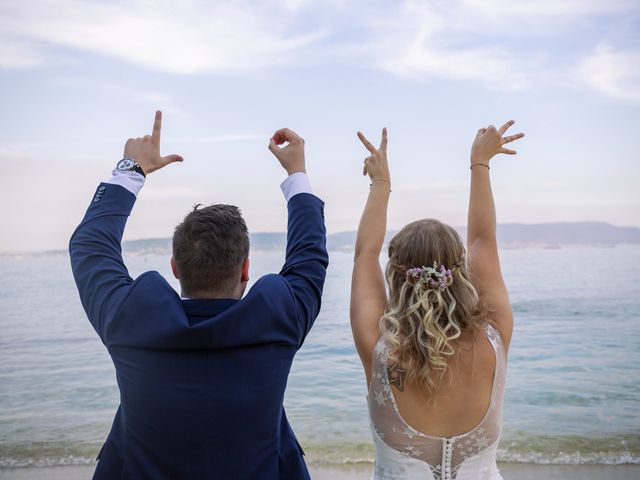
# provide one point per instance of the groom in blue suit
(202, 375)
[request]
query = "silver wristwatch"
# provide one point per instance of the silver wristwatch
(129, 165)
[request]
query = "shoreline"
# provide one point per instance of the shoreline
(511, 471)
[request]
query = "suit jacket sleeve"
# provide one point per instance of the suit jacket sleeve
(306, 258)
(96, 255)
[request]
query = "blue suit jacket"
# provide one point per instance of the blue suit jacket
(201, 381)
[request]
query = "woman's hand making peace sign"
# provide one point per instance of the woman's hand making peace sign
(376, 165)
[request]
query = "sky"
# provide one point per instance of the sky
(80, 77)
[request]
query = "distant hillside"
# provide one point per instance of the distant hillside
(510, 235)
(259, 241)
(566, 233)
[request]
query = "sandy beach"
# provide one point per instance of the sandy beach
(510, 471)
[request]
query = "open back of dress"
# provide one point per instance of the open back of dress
(403, 453)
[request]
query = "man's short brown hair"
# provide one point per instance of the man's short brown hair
(209, 247)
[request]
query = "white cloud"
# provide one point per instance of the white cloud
(18, 54)
(187, 36)
(615, 73)
(295, 5)
(421, 41)
(474, 40)
(494, 67)
(465, 40)
(510, 9)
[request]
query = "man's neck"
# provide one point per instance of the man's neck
(213, 295)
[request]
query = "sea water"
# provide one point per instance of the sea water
(573, 386)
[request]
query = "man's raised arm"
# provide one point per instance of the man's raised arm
(96, 255)
(306, 260)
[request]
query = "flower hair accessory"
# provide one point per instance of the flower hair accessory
(436, 277)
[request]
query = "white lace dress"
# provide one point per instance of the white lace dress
(403, 453)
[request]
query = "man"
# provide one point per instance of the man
(201, 378)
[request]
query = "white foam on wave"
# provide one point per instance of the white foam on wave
(9, 462)
(560, 458)
(569, 458)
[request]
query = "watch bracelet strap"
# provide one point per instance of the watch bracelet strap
(138, 168)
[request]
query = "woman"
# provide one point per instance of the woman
(434, 350)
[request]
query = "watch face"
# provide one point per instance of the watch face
(125, 164)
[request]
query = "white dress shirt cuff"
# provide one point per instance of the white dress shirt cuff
(294, 184)
(132, 181)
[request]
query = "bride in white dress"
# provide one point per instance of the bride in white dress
(434, 349)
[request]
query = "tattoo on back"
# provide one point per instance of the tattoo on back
(396, 376)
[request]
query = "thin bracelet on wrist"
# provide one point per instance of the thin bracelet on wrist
(479, 163)
(384, 181)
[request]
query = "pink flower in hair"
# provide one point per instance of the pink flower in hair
(430, 278)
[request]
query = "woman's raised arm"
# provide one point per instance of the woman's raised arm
(368, 294)
(482, 246)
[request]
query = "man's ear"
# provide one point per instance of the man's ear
(174, 268)
(245, 270)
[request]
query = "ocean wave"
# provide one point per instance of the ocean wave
(570, 458)
(520, 447)
(11, 462)
(515, 447)
(360, 453)
(538, 449)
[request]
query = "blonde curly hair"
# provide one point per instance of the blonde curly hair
(421, 324)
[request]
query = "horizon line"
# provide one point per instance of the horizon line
(4, 252)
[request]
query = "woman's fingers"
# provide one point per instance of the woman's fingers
(364, 167)
(507, 151)
(511, 138)
(505, 127)
(367, 144)
(383, 141)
